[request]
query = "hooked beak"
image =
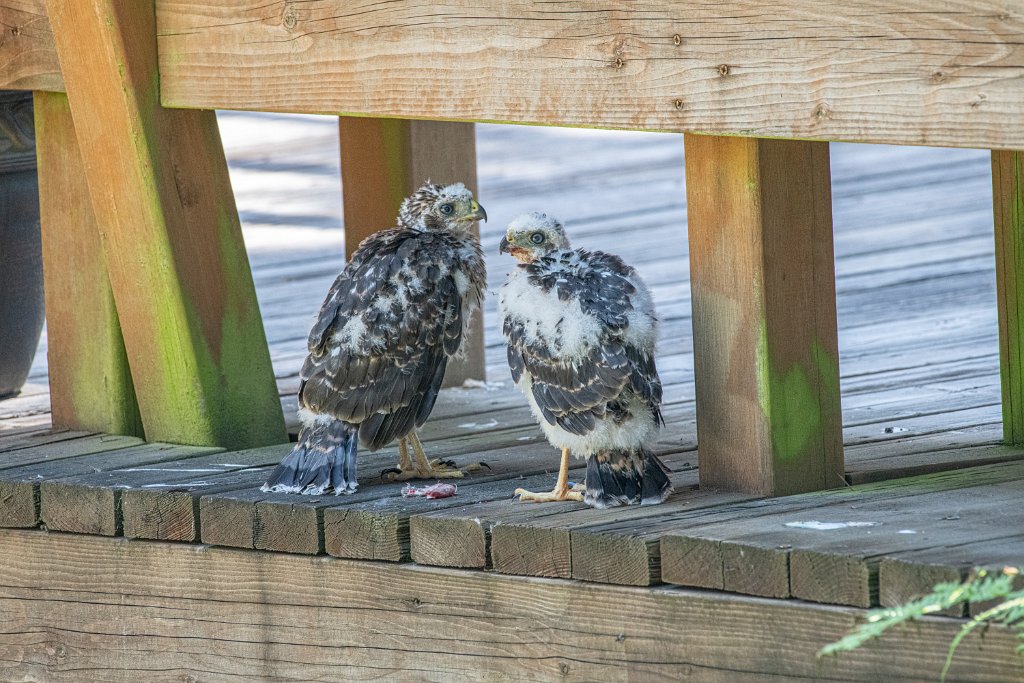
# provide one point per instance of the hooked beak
(503, 246)
(478, 212)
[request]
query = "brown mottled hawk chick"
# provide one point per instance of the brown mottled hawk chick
(380, 346)
(581, 332)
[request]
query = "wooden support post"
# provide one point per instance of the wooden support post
(90, 383)
(1008, 205)
(385, 160)
(163, 203)
(764, 314)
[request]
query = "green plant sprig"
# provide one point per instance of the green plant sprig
(982, 585)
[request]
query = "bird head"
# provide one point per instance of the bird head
(440, 207)
(532, 235)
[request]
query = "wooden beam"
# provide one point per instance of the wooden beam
(764, 315)
(90, 382)
(28, 59)
(385, 160)
(913, 76)
(215, 613)
(917, 76)
(1008, 208)
(177, 263)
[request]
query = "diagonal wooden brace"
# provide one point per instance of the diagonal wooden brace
(163, 203)
(90, 383)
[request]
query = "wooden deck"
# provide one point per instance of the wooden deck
(919, 367)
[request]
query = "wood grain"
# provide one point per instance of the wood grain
(21, 472)
(177, 263)
(90, 382)
(89, 501)
(217, 614)
(836, 71)
(919, 76)
(903, 577)
(383, 161)
(770, 548)
(28, 59)
(766, 359)
(1008, 208)
(163, 503)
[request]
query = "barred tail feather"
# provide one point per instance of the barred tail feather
(323, 460)
(624, 477)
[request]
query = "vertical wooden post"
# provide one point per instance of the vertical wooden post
(90, 383)
(163, 203)
(1008, 205)
(764, 314)
(385, 160)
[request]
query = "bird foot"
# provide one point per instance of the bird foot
(557, 495)
(438, 469)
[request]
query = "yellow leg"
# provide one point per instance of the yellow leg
(404, 463)
(420, 467)
(561, 490)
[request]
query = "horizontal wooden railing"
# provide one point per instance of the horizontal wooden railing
(925, 72)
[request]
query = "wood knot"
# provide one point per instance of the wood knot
(618, 63)
(678, 103)
(564, 668)
(289, 17)
(677, 40)
(723, 70)
(15, 31)
(822, 112)
(938, 77)
(979, 100)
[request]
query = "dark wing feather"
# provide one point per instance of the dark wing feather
(387, 383)
(571, 393)
(575, 393)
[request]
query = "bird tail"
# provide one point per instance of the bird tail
(626, 477)
(323, 460)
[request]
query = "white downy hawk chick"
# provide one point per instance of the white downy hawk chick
(379, 348)
(581, 332)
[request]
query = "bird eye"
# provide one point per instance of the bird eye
(447, 209)
(537, 238)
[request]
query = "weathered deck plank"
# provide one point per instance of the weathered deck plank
(837, 565)
(908, 575)
(91, 503)
(191, 611)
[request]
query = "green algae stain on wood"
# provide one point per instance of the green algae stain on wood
(180, 277)
(797, 400)
(91, 385)
(1008, 209)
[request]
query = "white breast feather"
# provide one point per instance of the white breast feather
(540, 313)
(561, 326)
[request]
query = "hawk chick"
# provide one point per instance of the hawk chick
(380, 346)
(581, 332)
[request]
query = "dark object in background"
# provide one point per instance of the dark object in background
(21, 262)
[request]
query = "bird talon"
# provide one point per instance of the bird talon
(442, 462)
(390, 474)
